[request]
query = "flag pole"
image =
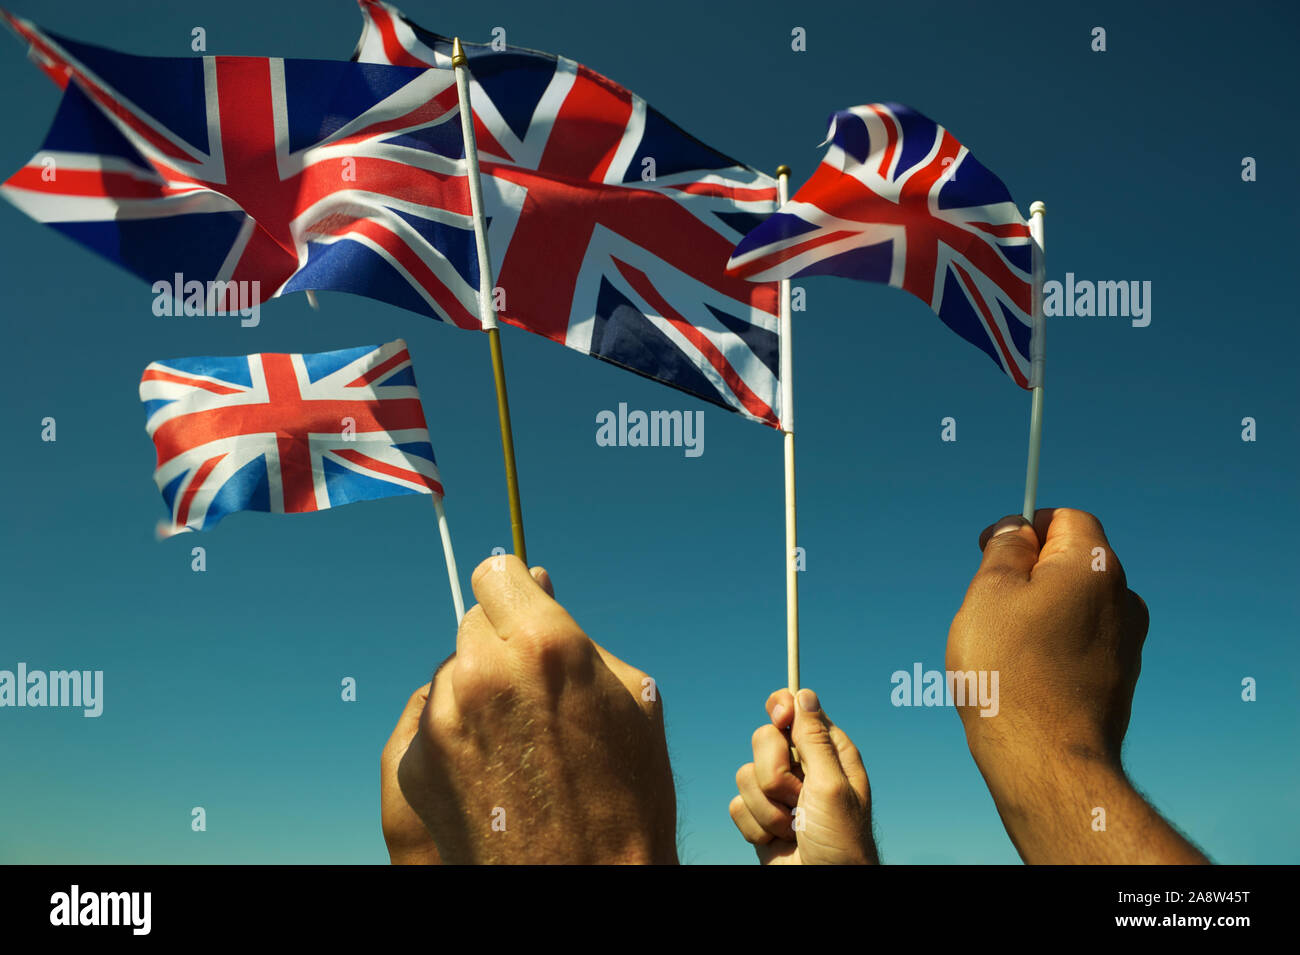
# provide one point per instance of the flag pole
(457, 599)
(487, 312)
(787, 423)
(1037, 355)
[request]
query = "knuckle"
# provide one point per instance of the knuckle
(736, 809)
(472, 615)
(472, 680)
(547, 632)
(823, 789)
(1080, 518)
(418, 698)
(482, 570)
(770, 779)
(548, 646)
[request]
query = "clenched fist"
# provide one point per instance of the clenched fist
(536, 744)
(1050, 610)
(816, 813)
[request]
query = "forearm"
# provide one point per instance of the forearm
(1082, 811)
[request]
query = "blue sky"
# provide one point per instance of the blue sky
(222, 688)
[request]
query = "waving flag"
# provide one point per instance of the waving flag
(229, 171)
(286, 433)
(898, 200)
(610, 227)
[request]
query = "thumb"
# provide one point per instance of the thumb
(1011, 550)
(811, 735)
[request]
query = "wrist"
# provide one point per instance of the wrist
(1058, 803)
(635, 841)
(1017, 759)
(639, 853)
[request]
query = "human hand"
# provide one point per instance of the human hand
(815, 813)
(536, 744)
(1058, 624)
(408, 841)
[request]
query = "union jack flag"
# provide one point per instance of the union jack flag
(295, 174)
(609, 226)
(286, 433)
(898, 200)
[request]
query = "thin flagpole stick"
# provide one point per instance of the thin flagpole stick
(787, 422)
(457, 599)
(1037, 355)
(487, 313)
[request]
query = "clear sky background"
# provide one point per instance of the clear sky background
(223, 688)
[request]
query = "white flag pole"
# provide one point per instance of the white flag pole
(486, 311)
(1037, 355)
(458, 601)
(787, 423)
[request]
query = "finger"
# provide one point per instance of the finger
(643, 687)
(513, 600)
(544, 580)
(1010, 551)
(441, 713)
(747, 824)
(811, 735)
(1070, 529)
(772, 766)
(407, 724)
(477, 641)
(775, 817)
(477, 672)
(1140, 617)
(417, 775)
(855, 770)
(780, 707)
(1075, 546)
(1042, 518)
(510, 602)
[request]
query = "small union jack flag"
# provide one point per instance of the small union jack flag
(609, 226)
(898, 200)
(294, 174)
(286, 433)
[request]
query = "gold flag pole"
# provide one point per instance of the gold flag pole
(487, 313)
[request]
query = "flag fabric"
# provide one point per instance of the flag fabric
(286, 433)
(898, 200)
(230, 171)
(609, 227)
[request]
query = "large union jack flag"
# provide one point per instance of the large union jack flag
(295, 174)
(286, 433)
(898, 200)
(609, 226)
